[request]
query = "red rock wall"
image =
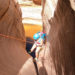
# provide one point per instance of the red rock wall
(59, 23)
(59, 51)
(12, 52)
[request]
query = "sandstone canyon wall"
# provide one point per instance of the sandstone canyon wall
(59, 24)
(12, 51)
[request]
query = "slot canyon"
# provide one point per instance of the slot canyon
(58, 54)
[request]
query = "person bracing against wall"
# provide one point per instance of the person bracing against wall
(39, 38)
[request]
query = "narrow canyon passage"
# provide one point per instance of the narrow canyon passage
(20, 19)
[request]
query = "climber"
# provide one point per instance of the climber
(39, 38)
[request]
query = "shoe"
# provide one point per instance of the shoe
(29, 52)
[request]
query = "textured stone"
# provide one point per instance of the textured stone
(59, 23)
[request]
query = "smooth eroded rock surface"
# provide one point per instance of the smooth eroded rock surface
(12, 51)
(59, 23)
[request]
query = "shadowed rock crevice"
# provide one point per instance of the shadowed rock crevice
(3, 13)
(36, 67)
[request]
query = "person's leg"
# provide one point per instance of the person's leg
(33, 47)
(37, 52)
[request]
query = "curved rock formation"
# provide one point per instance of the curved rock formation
(59, 23)
(12, 51)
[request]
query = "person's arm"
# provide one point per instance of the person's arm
(33, 47)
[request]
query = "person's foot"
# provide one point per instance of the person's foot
(29, 52)
(36, 59)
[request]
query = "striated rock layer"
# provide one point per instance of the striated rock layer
(59, 23)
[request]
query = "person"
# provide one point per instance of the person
(39, 38)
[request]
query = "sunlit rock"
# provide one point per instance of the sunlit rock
(72, 4)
